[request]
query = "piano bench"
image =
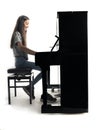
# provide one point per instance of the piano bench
(17, 77)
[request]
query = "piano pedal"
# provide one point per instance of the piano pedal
(55, 90)
(52, 90)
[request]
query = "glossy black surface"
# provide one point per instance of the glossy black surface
(73, 60)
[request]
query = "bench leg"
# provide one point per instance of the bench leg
(15, 91)
(30, 90)
(9, 99)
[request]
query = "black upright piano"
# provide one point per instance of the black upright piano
(72, 57)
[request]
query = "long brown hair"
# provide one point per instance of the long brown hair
(20, 28)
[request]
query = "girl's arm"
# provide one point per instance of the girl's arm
(25, 49)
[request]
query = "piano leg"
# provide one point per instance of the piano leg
(44, 81)
(48, 77)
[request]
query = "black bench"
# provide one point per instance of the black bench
(19, 76)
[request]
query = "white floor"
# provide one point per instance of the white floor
(20, 115)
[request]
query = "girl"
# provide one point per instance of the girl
(20, 51)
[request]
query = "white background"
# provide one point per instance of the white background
(42, 14)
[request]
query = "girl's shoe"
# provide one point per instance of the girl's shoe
(50, 98)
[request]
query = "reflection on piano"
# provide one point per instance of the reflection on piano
(73, 60)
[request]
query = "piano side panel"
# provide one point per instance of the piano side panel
(74, 60)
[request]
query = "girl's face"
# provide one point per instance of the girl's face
(26, 24)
